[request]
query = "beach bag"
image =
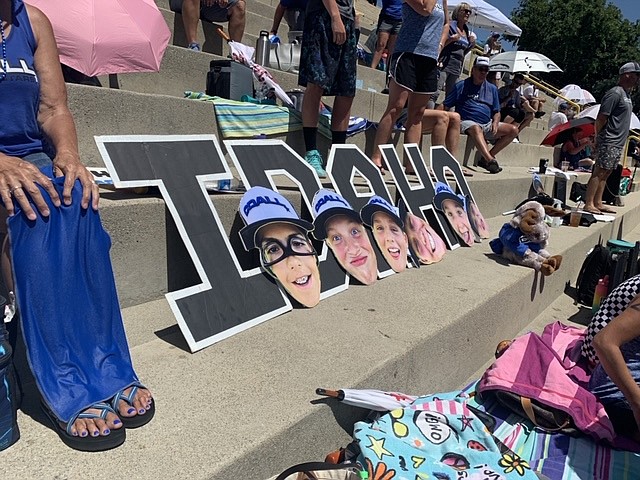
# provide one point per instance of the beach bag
(322, 471)
(285, 56)
(597, 264)
(545, 417)
(9, 433)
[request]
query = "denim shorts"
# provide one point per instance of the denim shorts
(39, 159)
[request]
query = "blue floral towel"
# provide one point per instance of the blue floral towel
(435, 438)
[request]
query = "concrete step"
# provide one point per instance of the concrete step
(246, 408)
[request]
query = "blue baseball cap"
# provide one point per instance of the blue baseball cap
(444, 192)
(261, 206)
(378, 204)
(327, 204)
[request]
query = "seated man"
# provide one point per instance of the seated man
(232, 11)
(478, 104)
(559, 117)
(577, 150)
(512, 104)
(532, 102)
(612, 344)
(293, 13)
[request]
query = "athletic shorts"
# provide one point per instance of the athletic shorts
(216, 13)
(607, 157)
(416, 73)
(389, 25)
(322, 62)
(486, 128)
(517, 114)
(39, 159)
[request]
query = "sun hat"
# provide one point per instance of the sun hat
(260, 206)
(327, 204)
(378, 204)
(444, 192)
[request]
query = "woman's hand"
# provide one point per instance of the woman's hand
(19, 178)
(69, 165)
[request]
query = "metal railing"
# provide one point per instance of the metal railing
(551, 91)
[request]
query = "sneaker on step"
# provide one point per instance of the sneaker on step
(195, 47)
(313, 158)
(516, 140)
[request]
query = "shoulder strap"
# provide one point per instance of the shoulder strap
(527, 406)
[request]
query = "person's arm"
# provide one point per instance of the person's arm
(337, 27)
(573, 149)
(424, 7)
(601, 121)
(445, 28)
(277, 18)
(54, 116)
(495, 108)
(607, 342)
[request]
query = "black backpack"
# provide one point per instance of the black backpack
(597, 264)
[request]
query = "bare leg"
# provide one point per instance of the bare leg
(453, 134)
(506, 134)
(190, 16)
(528, 118)
(436, 122)
(311, 105)
(237, 16)
(595, 189)
(397, 99)
(475, 132)
(381, 44)
(340, 114)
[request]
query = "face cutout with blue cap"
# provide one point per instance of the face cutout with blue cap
(388, 231)
(286, 252)
(453, 208)
(341, 227)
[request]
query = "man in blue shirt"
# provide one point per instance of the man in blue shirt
(477, 102)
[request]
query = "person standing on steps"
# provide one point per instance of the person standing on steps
(612, 130)
(327, 67)
(413, 69)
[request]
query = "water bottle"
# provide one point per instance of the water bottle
(262, 49)
(600, 293)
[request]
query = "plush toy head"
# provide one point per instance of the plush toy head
(529, 218)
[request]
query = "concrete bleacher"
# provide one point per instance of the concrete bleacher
(245, 408)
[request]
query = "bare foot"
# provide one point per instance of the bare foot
(93, 427)
(140, 404)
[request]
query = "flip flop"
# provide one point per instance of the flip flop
(138, 420)
(88, 443)
(607, 210)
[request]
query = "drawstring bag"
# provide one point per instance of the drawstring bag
(9, 433)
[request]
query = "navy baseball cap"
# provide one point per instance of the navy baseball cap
(261, 206)
(379, 204)
(327, 204)
(444, 192)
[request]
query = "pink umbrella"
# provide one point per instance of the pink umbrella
(99, 37)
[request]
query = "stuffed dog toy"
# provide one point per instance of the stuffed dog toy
(524, 239)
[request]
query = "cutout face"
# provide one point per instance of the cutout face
(477, 220)
(459, 220)
(349, 241)
(287, 253)
(391, 240)
(425, 242)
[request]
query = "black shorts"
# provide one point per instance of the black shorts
(416, 73)
(389, 25)
(517, 114)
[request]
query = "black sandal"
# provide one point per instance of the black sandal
(114, 439)
(491, 166)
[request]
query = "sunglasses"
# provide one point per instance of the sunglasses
(273, 251)
(483, 69)
(466, 11)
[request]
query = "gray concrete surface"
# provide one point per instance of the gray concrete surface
(245, 407)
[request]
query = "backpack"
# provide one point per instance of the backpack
(597, 264)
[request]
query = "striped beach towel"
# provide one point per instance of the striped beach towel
(248, 120)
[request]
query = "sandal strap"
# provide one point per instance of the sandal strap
(104, 408)
(127, 398)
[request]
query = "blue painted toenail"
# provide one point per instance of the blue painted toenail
(131, 410)
(141, 411)
(117, 422)
(107, 432)
(84, 434)
(96, 433)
